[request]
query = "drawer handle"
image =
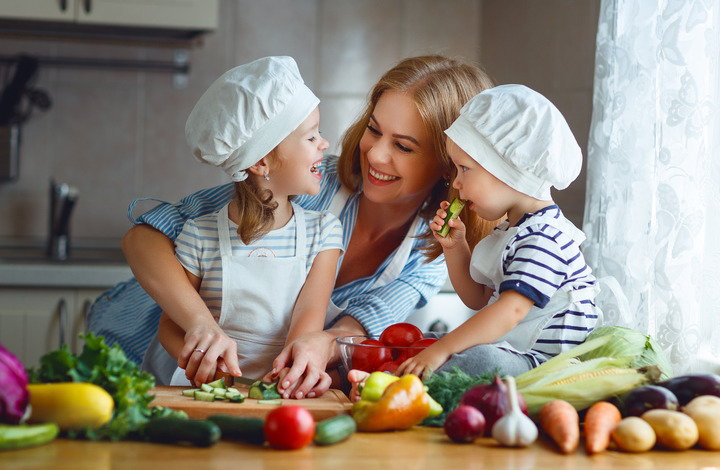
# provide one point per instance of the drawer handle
(85, 312)
(62, 317)
(63, 5)
(88, 6)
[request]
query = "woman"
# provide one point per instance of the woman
(385, 187)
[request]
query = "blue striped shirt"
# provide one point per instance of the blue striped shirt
(128, 316)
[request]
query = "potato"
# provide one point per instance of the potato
(708, 423)
(633, 434)
(674, 429)
(703, 402)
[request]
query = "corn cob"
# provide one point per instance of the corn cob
(581, 383)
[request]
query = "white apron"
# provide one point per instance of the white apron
(486, 267)
(258, 296)
(393, 269)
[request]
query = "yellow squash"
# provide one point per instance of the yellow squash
(71, 405)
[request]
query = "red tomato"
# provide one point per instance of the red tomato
(423, 343)
(289, 427)
(389, 367)
(401, 334)
(370, 357)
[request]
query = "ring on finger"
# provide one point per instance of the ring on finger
(201, 351)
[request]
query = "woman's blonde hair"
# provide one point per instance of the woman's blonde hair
(439, 87)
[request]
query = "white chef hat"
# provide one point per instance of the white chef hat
(247, 112)
(520, 137)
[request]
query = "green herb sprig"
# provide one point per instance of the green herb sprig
(447, 388)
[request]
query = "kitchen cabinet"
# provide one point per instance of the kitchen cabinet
(34, 321)
(176, 14)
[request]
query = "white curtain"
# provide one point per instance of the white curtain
(652, 211)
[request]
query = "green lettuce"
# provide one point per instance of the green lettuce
(109, 368)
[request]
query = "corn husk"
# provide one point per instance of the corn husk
(626, 342)
(583, 382)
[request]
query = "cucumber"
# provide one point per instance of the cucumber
(452, 213)
(172, 430)
(264, 391)
(190, 392)
(333, 430)
(204, 396)
(17, 436)
(240, 428)
(219, 383)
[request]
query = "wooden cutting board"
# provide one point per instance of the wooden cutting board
(332, 403)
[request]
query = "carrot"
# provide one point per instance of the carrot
(561, 422)
(600, 420)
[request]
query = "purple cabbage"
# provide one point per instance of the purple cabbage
(14, 396)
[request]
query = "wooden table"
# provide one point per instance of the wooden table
(419, 448)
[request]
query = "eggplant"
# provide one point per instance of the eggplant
(649, 397)
(687, 387)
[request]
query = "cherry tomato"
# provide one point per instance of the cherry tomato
(423, 343)
(369, 354)
(289, 427)
(401, 334)
(390, 367)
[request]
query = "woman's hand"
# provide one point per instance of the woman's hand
(206, 349)
(457, 232)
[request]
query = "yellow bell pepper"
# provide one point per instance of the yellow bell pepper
(402, 405)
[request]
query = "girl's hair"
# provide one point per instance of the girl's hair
(439, 87)
(255, 206)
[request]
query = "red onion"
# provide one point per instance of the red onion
(492, 401)
(14, 397)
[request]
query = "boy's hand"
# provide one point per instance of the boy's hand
(457, 228)
(424, 363)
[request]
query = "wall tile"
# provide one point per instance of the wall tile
(450, 27)
(168, 170)
(360, 41)
(336, 115)
(279, 27)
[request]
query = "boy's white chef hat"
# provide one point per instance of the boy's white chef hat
(520, 137)
(247, 112)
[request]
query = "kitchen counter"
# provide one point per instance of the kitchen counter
(23, 263)
(419, 448)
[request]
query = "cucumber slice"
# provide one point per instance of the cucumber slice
(236, 398)
(190, 392)
(206, 388)
(219, 392)
(273, 401)
(204, 396)
(452, 213)
(219, 383)
(264, 391)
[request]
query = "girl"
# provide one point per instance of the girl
(264, 266)
(510, 145)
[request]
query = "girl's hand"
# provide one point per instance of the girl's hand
(300, 367)
(426, 361)
(457, 228)
(205, 350)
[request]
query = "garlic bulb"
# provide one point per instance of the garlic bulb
(514, 429)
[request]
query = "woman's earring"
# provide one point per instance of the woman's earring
(447, 182)
(267, 178)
